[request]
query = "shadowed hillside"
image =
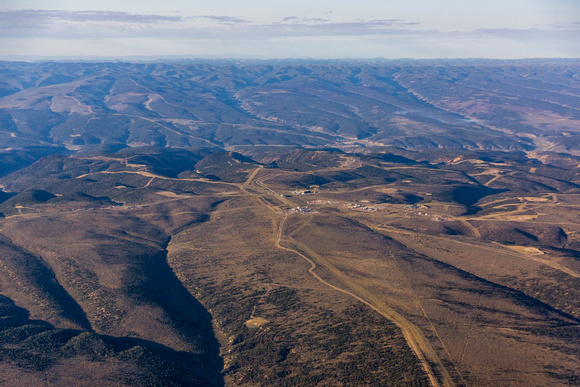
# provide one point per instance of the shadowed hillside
(398, 223)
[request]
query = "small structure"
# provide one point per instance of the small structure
(301, 210)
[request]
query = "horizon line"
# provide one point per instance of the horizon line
(157, 58)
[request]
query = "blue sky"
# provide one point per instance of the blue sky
(44, 29)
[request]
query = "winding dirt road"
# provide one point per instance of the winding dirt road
(413, 335)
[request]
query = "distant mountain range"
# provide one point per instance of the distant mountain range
(502, 105)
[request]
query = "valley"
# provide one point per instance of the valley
(290, 224)
(431, 267)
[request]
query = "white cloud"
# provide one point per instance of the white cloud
(15, 18)
(108, 33)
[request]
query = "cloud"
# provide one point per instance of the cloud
(222, 19)
(109, 24)
(93, 28)
(532, 34)
(42, 18)
(388, 21)
(315, 20)
(559, 26)
(323, 27)
(385, 22)
(295, 19)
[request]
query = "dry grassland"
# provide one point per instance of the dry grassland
(405, 295)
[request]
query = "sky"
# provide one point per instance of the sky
(267, 29)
